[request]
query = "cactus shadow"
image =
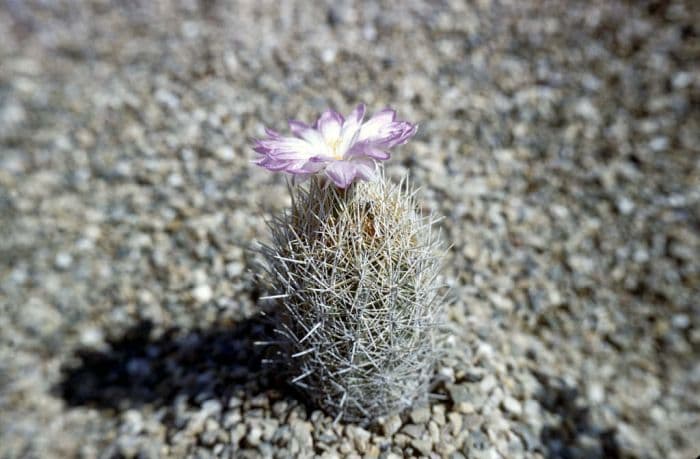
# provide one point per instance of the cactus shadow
(138, 369)
(573, 434)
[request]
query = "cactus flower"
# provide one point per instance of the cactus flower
(344, 149)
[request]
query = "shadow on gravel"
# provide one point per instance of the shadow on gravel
(200, 365)
(573, 436)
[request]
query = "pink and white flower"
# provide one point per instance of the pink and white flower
(344, 149)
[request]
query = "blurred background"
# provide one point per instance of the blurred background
(560, 139)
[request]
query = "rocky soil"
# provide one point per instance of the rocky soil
(561, 141)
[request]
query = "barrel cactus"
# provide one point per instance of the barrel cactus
(356, 270)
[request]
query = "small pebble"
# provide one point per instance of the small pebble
(202, 293)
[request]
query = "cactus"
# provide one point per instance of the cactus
(356, 271)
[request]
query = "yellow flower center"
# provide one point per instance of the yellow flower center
(334, 144)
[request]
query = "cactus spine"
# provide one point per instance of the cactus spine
(357, 272)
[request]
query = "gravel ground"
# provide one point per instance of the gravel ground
(560, 140)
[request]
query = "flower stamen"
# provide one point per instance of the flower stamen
(333, 145)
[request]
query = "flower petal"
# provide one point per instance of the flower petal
(290, 148)
(273, 164)
(297, 127)
(383, 130)
(261, 148)
(329, 125)
(271, 133)
(351, 128)
(401, 132)
(375, 126)
(365, 168)
(311, 167)
(367, 149)
(342, 173)
(309, 134)
(357, 114)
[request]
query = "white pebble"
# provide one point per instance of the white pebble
(596, 393)
(225, 153)
(202, 293)
(63, 260)
(625, 205)
(513, 406)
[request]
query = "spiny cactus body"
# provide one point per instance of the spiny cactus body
(356, 272)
